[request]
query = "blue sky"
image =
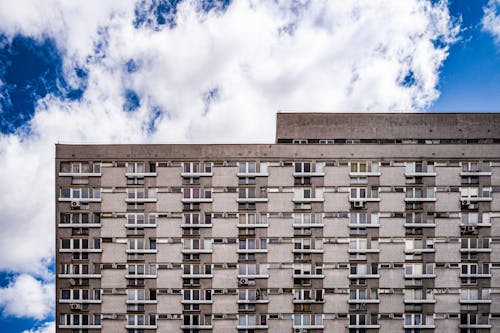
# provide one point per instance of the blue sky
(207, 71)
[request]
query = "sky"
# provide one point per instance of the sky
(200, 71)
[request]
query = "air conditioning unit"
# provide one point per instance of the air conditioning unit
(473, 206)
(75, 204)
(465, 202)
(74, 306)
(358, 204)
(470, 229)
(243, 281)
(300, 330)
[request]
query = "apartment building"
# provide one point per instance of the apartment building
(348, 223)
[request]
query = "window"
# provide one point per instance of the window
(359, 167)
(136, 294)
(135, 193)
(135, 218)
(302, 167)
(358, 192)
(247, 167)
(133, 167)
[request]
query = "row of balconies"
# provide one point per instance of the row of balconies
(253, 169)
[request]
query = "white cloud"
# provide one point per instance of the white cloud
(49, 327)
(27, 297)
(259, 57)
(491, 19)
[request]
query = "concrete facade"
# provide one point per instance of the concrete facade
(349, 223)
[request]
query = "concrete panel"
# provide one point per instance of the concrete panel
(282, 303)
(169, 304)
(447, 252)
(170, 176)
(495, 227)
(280, 253)
(336, 303)
(446, 325)
(336, 278)
(391, 325)
(495, 277)
(336, 227)
(495, 176)
(495, 252)
(169, 325)
(447, 278)
(113, 202)
(392, 176)
(169, 278)
(225, 202)
(447, 202)
(336, 325)
(280, 176)
(225, 278)
(114, 252)
(391, 303)
(447, 227)
(113, 325)
(336, 253)
(392, 202)
(169, 202)
(447, 303)
(169, 252)
(448, 176)
(392, 252)
(113, 177)
(337, 176)
(225, 177)
(114, 303)
(113, 278)
(224, 253)
(336, 202)
(113, 227)
(280, 278)
(279, 326)
(224, 326)
(391, 278)
(224, 228)
(280, 227)
(495, 204)
(495, 303)
(392, 227)
(225, 304)
(280, 202)
(168, 227)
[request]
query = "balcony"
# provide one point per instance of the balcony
(246, 250)
(252, 199)
(197, 327)
(88, 327)
(197, 200)
(79, 301)
(142, 327)
(364, 301)
(141, 251)
(419, 326)
(139, 200)
(141, 301)
(141, 174)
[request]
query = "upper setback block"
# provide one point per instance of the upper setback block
(392, 126)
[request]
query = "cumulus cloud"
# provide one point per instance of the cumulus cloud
(216, 76)
(491, 19)
(27, 297)
(49, 327)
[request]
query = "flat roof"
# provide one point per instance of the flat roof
(392, 126)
